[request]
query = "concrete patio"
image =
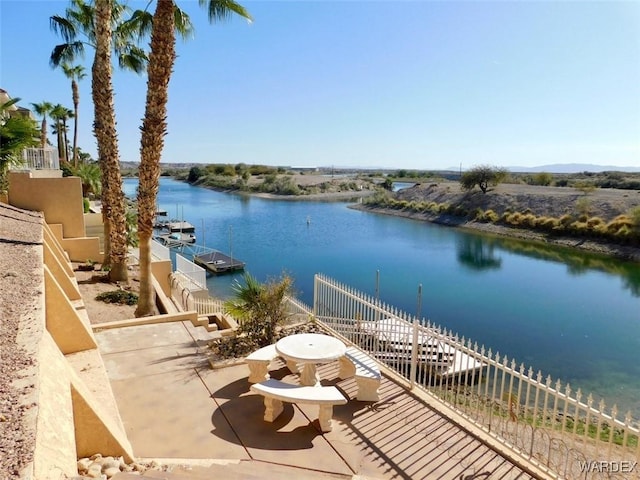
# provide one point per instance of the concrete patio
(177, 409)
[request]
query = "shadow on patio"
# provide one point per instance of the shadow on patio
(175, 407)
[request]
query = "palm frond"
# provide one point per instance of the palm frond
(66, 53)
(221, 10)
(63, 27)
(137, 26)
(5, 106)
(183, 24)
(133, 58)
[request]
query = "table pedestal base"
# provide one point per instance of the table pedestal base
(309, 375)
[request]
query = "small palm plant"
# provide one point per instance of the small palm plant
(260, 307)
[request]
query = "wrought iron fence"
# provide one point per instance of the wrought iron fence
(565, 433)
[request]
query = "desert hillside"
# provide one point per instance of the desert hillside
(606, 203)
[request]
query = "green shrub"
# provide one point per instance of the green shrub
(565, 220)
(595, 223)
(634, 214)
(547, 223)
(621, 221)
(86, 205)
(514, 218)
(529, 220)
(580, 228)
(623, 233)
(121, 297)
(542, 178)
(491, 216)
(583, 206)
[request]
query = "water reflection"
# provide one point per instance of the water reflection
(577, 262)
(477, 253)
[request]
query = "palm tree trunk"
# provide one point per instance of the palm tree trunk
(76, 102)
(59, 139)
(66, 140)
(105, 132)
(43, 132)
(154, 128)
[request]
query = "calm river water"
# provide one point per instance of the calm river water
(573, 316)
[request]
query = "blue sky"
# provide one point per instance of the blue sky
(398, 84)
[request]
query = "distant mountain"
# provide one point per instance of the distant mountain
(572, 168)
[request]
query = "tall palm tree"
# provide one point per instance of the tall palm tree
(76, 28)
(79, 28)
(92, 24)
(104, 128)
(43, 109)
(154, 126)
(59, 114)
(75, 74)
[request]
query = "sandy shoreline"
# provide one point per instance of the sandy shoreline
(622, 252)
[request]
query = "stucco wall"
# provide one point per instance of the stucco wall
(59, 198)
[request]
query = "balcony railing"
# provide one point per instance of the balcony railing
(38, 159)
(564, 432)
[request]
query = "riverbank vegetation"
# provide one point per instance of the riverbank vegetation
(272, 180)
(579, 212)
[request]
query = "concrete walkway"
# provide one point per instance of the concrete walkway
(174, 406)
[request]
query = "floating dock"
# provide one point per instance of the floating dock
(217, 262)
(175, 239)
(178, 226)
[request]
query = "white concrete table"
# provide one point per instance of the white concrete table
(310, 349)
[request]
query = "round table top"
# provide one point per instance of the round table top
(310, 347)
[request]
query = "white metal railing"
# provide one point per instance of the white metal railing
(296, 306)
(195, 273)
(540, 420)
(209, 306)
(159, 251)
(182, 291)
(39, 159)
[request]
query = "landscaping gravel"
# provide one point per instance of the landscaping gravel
(20, 294)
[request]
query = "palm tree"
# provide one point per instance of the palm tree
(17, 132)
(76, 28)
(154, 126)
(261, 308)
(43, 109)
(104, 128)
(75, 74)
(89, 174)
(69, 115)
(59, 113)
(86, 24)
(102, 26)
